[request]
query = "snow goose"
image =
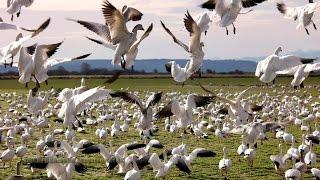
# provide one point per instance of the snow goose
(184, 112)
(36, 104)
(292, 174)
(78, 103)
(303, 14)
(133, 174)
(15, 6)
(225, 163)
(316, 173)
(303, 147)
(34, 62)
(9, 153)
(310, 158)
(145, 121)
(300, 73)
(278, 161)
(243, 146)
(229, 12)
(195, 44)
(12, 49)
(236, 110)
(179, 74)
(267, 69)
(203, 21)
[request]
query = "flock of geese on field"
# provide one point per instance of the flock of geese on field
(58, 118)
(34, 61)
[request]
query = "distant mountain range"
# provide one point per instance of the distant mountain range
(151, 65)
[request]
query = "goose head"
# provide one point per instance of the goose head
(137, 28)
(279, 49)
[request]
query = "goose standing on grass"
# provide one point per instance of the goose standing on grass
(310, 158)
(34, 62)
(316, 173)
(225, 163)
(229, 12)
(267, 69)
(292, 174)
(12, 49)
(115, 31)
(278, 161)
(303, 14)
(9, 153)
(194, 48)
(184, 112)
(15, 6)
(145, 121)
(300, 73)
(242, 147)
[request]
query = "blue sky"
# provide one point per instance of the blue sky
(259, 33)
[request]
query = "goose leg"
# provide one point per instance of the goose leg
(307, 31)
(274, 81)
(314, 25)
(131, 68)
(12, 17)
(26, 85)
(37, 82)
(301, 85)
(11, 64)
(234, 29)
(227, 31)
(46, 81)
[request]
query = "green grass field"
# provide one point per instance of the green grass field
(202, 168)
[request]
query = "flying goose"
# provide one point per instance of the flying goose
(195, 45)
(229, 12)
(34, 62)
(267, 68)
(184, 112)
(300, 73)
(115, 31)
(236, 109)
(13, 48)
(78, 103)
(178, 73)
(303, 14)
(145, 121)
(14, 6)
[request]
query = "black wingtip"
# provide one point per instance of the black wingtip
(83, 56)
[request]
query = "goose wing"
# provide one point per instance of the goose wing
(116, 22)
(194, 30)
(250, 3)
(55, 61)
(100, 29)
(180, 43)
(153, 99)
(131, 14)
(289, 12)
(128, 97)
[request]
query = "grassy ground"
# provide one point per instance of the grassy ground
(201, 168)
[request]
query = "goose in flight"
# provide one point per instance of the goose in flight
(13, 48)
(236, 110)
(303, 14)
(115, 31)
(34, 62)
(14, 6)
(36, 104)
(145, 121)
(229, 12)
(178, 73)
(184, 113)
(300, 73)
(203, 20)
(78, 103)
(194, 48)
(267, 68)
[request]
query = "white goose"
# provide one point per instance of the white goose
(35, 65)
(225, 163)
(300, 73)
(36, 104)
(14, 6)
(194, 48)
(303, 14)
(229, 12)
(78, 103)
(178, 73)
(184, 112)
(12, 49)
(267, 69)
